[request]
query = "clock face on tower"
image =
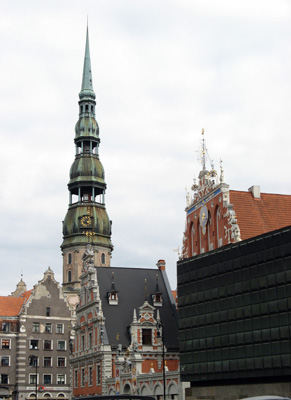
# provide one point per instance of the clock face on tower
(86, 221)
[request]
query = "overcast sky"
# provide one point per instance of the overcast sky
(162, 71)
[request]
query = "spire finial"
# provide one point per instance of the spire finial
(203, 151)
(87, 84)
(145, 290)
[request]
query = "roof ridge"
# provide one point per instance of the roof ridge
(264, 193)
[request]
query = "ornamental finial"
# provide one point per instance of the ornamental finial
(145, 290)
(221, 172)
(203, 151)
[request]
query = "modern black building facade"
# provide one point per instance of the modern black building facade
(235, 318)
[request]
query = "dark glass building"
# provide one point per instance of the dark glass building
(234, 318)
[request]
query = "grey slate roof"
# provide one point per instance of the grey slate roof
(130, 282)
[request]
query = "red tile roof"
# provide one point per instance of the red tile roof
(258, 216)
(11, 306)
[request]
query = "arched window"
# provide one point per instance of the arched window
(70, 258)
(69, 276)
(103, 258)
(209, 236)
(126, 388)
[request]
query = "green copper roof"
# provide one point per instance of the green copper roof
(87, 84)
(87, 127)
(87, 169)
(75, 234)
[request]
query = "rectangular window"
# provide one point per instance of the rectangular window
(90, 340)
(60, 328)
(61, 345)
(47, 361)
(61, 379)
(47, 345)
(90, 376)
(6, 327)
(83, 377)
(33, 379)
(35, 327)
(5, 343)
(5, 361)
(47, 379)
(98, 374)
(4, 379)
(48, 328)
(75, 378)
(61, 361)
(48, 312)
(82, 342)
(34, 344)
(147, 337)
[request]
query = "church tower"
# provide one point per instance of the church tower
(86, 220)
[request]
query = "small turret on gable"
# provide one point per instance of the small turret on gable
(113, 293)
(157, 295)
(20, 288)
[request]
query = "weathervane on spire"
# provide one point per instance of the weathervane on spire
(203, 161)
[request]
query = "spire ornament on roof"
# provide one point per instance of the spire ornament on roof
(145, 290)
(203, 151)
(207, 179)
(221, 172)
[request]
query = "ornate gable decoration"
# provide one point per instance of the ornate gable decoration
(146, 313)
(207, 180)
(211, 221)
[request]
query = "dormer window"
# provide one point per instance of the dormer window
(113, 293)
(157, 299)
(157, 296)
(113, 299)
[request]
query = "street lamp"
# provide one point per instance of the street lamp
(160, 335)
(33, 362)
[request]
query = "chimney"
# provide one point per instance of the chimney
(161, 264)
(255, 189)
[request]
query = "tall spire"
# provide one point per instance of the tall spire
(86, 217)
(87, 84)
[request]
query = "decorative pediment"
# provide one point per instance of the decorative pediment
(146, 313)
